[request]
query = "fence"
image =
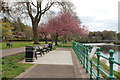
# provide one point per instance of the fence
(88, 63)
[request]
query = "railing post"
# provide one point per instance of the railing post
(91, 69)
(91, 48)
(84, 56)
(79, 55)
(111, 52)
(86, 59)
(98, 63)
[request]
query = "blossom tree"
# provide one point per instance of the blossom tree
(42, 30)
(65, 24)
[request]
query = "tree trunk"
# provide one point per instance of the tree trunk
(35, 34)
(65, 39)
(56, 40)
(45, 39)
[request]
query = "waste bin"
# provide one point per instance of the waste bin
(29, 53)
(50, 46)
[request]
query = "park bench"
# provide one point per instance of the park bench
(42, 50)
(50, 47)
(46, 48)
(8, 45)
(38, 51)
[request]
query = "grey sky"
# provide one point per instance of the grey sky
(98, 15)
(119, 16)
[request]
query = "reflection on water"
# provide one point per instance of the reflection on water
(105, 49)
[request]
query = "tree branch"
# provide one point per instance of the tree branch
(47, 8)
(33, 4)
(29, 10)
(38, 9)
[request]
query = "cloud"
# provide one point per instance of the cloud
(98, 15)
(97, 24)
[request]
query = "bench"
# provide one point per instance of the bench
(50, 45)
(42, 50)
(38, 51)
(8, 45)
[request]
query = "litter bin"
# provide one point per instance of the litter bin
(29, 53)
(50, 46)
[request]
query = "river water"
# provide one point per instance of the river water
(104, 48)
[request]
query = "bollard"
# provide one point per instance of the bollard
(98, 63)
(84, 56)
(111, 52)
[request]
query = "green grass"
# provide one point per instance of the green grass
(116, 74)
(11, 68)
(62, 45)
(65, 45)
(19, 44)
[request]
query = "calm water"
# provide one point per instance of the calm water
(105, 49)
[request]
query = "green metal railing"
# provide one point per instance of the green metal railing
(88, 63)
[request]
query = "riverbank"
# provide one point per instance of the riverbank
(107, 68)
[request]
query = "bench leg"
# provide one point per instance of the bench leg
(35, 55)
(41, 54)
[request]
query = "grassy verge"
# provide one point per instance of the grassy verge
(65, 45)
(116, 74)
(11, 68)
(62, 45)
(19, 44)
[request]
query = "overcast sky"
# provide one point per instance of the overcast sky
(98, 15)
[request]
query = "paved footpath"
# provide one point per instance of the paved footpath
(12, 51)
(61, 63)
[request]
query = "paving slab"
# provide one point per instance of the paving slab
(48, 67)
(51, 71)
(54, 57)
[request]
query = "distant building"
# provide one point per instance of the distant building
(19, 35)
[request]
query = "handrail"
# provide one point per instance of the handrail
(104, 57)
(116, 63)
(82, 54)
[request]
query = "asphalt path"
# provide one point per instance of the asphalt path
(13, 51)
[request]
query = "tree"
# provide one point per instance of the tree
(42, 30)
(65, 25)
(28, 33)
(95, 36)
(18, 25)
(118, 36)
(6, 30)
(109, 35)
(5, 7)
(35, 11)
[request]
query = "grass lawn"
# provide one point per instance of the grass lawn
(11, 68)
(65, 45)
(19, 44)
